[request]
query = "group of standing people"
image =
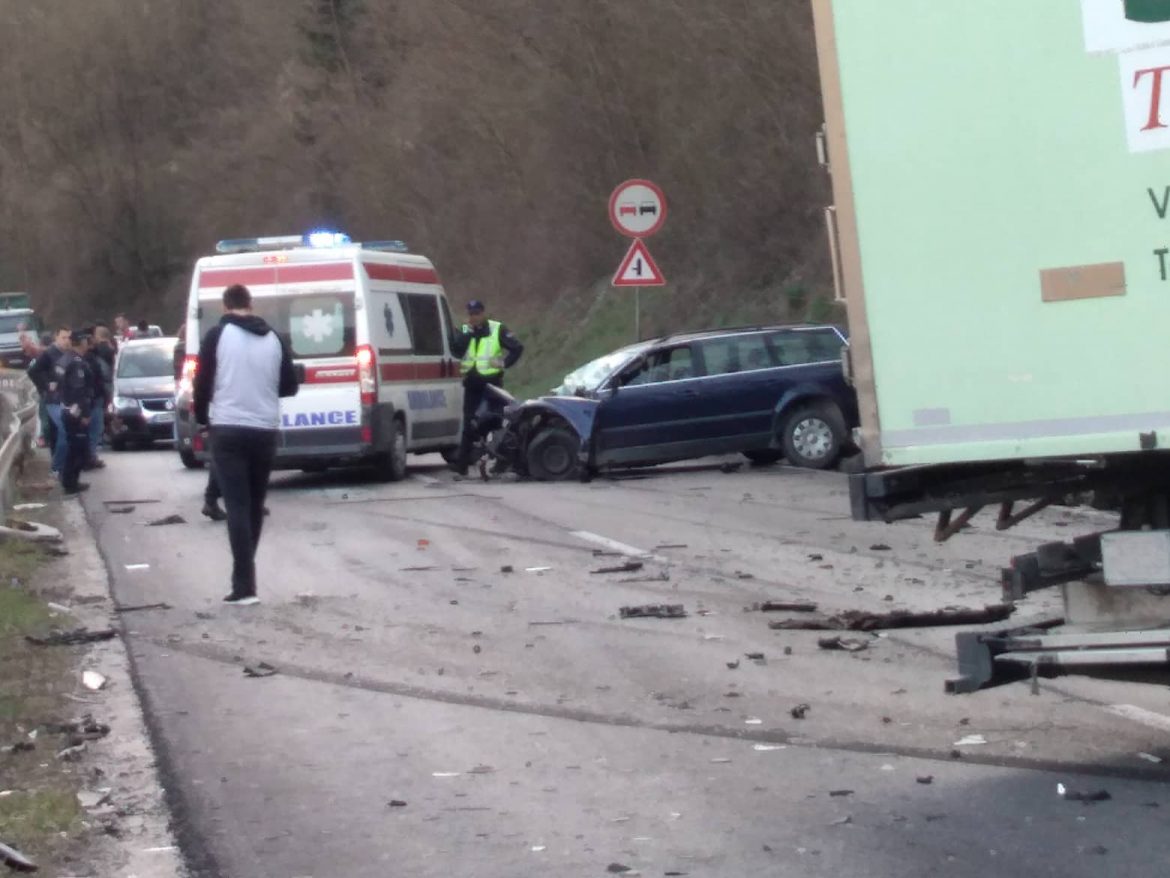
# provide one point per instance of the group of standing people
(74, 375)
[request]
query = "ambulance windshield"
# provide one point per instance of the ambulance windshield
(312, 325)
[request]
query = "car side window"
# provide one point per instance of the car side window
(426, 328)
(737, 353)
(668, 364)
(801, 347)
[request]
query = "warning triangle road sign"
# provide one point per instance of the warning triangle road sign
(638, 269)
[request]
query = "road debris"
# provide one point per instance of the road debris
(93, 680)
(170, 519)
(15, 860)
(757, 657)
(786, 607)
(842, 821)
(925, 780)
(731, 666)
(396, 803)
(537, 569)
(800, 711)
(837, 794)
(857, 620)
(847, 644)
(19, 747)
(970, 741)
(655, 611)
(739, 574)
(416, 569)
(79, 730)
(1082, 796)
(90, 799)
(137, 566)
(120, 510)
(816, 557)
(661, 546)
(618, 869)
(71, 753)
(72, 638)
(262, 669)
(753, 721)
(728, 468)
(879, 547)
(507, 568)
(628, 567)
(768, 748)
(137, 607)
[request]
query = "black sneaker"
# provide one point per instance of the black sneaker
(243, 600)
(212, 511)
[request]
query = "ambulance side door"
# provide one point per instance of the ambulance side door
(429, 396)
(453, 380)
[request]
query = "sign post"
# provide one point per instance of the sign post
(637, 209)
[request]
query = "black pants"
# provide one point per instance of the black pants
(242, 461)
(211, 493)
(76, 450)
(473, 394)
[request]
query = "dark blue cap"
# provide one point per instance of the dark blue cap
(475, 306)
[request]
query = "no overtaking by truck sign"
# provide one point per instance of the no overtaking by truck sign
(637, 208)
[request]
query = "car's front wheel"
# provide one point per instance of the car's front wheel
(552, 455)
(812, 436)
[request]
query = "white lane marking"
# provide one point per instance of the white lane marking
(1140, 715)
(615, 546)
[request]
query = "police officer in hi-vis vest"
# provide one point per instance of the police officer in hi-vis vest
(487, 348)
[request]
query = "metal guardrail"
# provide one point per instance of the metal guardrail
(19, 408)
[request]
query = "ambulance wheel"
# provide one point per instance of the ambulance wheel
(190, 460)
(552, 455)
(392, 464)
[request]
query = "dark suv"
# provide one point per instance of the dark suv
(768, 392)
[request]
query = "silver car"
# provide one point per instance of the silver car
(142, 410)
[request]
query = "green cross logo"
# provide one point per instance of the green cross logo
(1150, 11)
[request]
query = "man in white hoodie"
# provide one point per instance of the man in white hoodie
(244, 369)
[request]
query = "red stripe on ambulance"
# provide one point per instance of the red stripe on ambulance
(409, 273)
(276, 274)
(412, 371)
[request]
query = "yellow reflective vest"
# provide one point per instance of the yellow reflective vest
(484, 353)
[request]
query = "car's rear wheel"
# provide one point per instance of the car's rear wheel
(391, 465)
(552, 455)
(812, 436)
(763, 456)
(190, 460)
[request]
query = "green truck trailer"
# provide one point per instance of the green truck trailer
(1001, 240)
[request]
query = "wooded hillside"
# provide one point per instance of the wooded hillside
(486, 133)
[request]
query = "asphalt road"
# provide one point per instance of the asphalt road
(530, 730)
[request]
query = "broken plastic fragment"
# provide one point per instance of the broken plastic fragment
(445, 773)
(262, 669)
(93, 680)
(15, 860)
(767, 748)
(970, 741)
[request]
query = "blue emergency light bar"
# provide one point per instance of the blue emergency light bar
(319, 240)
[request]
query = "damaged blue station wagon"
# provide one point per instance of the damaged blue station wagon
(767, 392)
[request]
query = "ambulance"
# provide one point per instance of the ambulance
(369, 329)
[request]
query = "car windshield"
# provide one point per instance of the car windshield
(590, 376)
(147, 360)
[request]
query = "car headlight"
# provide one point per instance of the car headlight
(125, 402)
